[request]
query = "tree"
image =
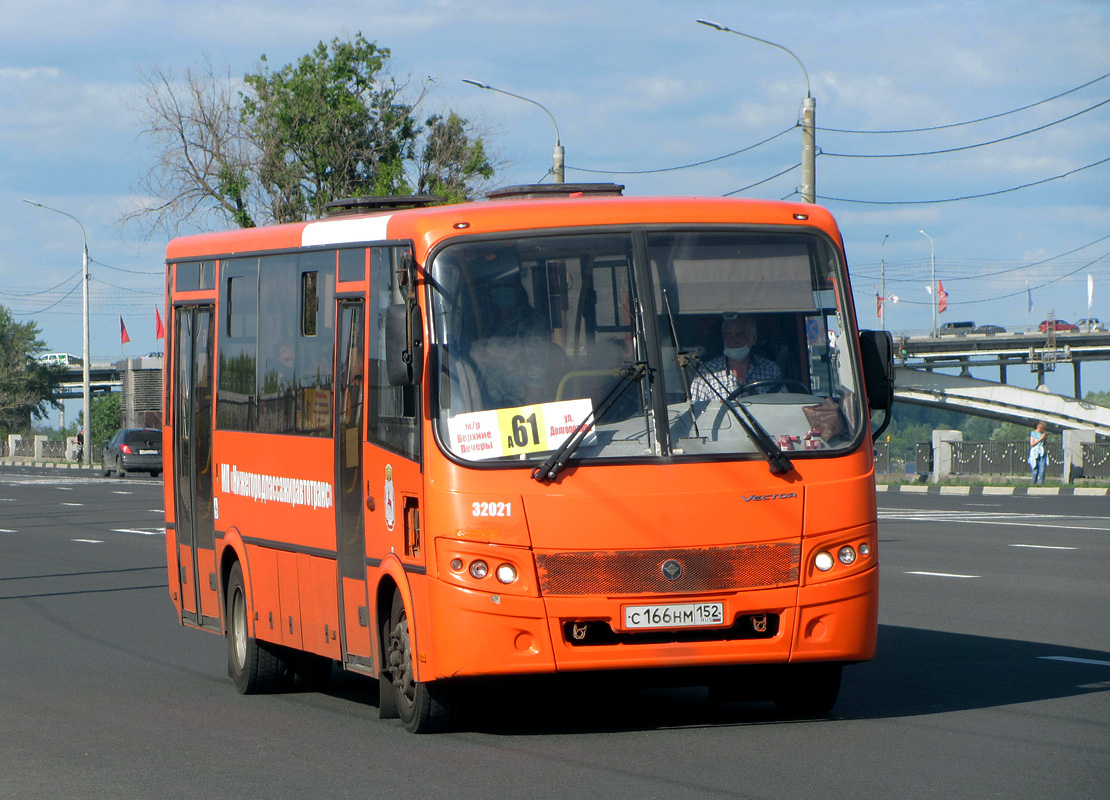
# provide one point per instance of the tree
(26, 387)
(451, 159)
(283, 143)
(106, 413)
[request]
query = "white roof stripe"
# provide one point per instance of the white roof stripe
(344, 231)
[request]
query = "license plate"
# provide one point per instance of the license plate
(148, 452)
(680, 615)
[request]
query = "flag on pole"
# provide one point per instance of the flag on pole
(942, 298)
(1090, 290)
(123, 337)
(159, 328)
(878, 304)
(1028, 297)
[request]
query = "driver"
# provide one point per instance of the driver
(738, 365)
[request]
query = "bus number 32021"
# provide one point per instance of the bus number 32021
(491, 509)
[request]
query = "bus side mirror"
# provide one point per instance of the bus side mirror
(877, 359)
(404, 348)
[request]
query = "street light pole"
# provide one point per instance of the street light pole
(557, 169)
(809, 118)
(86, 446)
(933, 278)
(882, 283)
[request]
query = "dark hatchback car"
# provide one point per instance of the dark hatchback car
(133, 450)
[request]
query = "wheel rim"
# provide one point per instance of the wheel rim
(400, 661)
(239, 628)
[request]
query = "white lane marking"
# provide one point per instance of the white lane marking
(141, 531)
(1076, 660)
(90, 541)
(7, 530)
(157, 510)
(943, 575)
(1044, 547)
(72, 504)
(119, 492)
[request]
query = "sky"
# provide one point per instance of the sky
(1003, 98)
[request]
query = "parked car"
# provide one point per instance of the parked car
(1092, 324)
(132, 450)
(1058, 325)
(989, 329)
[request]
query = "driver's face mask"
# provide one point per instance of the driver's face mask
(737, 353)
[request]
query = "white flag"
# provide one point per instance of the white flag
(1090, 290)
(929, 288)
(893, 298)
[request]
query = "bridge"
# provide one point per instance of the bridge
(918, 382)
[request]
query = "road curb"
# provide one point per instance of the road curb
(30, 462)
(995, 491)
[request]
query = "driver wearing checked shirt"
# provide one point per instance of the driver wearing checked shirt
(737, 366)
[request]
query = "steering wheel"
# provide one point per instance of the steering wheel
(786, 383)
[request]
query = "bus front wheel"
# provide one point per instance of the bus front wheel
(255, 667)
(423, 707)
(807, 690)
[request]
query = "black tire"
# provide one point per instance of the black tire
(808, 690)
(105, 470)
(121, 471)
(154, 473)
(255, 667)
(422, 707)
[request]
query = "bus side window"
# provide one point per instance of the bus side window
(392, 412)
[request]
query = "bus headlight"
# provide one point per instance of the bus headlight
(846, 555)
(479, 569)
(823, 561)
(506, 573)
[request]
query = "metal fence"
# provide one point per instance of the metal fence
(1096, 460)
(1003, 458)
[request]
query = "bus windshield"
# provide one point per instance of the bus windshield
(656, 343)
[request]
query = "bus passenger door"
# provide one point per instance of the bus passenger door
(350, 414)
(192, 466)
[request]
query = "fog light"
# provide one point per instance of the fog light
(846, 554)
(865, 549)
(479, 569)
(823, 561)
(457, 564)
(506, 573)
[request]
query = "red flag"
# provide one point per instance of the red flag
(123, 337)
(942, 298)
(878, 305)
(159, 328)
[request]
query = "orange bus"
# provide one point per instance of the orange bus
(558, 430)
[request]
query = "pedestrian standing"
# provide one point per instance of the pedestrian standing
(1037, 455)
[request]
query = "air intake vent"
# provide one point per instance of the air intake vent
(362, 205)
(557, 190)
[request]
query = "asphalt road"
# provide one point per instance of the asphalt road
(991, 680)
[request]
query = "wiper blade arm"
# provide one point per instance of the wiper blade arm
(777, 461)
(557, 460)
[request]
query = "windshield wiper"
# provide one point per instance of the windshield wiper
(558, 459)
(777, 461)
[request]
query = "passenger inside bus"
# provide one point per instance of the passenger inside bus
(737, 366)
(512, 345)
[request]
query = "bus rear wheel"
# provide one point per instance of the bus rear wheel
(424, 707)
(807, 690)
(255, 667)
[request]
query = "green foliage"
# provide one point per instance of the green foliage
(335, 125)
(1098, 398)
(26, 387)
(451, 159)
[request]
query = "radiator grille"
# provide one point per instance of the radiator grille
(710, 569)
